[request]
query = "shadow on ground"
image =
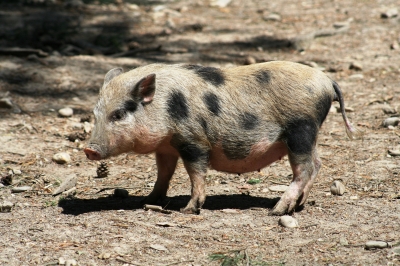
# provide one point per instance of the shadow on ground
(76, 206)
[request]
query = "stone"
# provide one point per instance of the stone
(391, 121)
(278, 188)
(71, 262)
(159, 247)
(288, 221)
(389, 110)
(67, 184)
(356, 66)
(394, 45)
(376, 244)
(337, 188)
(220, 3)
(6, 206)
(16, 171)
(66, 112)
(272, 17)
(104, 256)
(20, 189)
(61, 261)
(6, 103)
(249, 60)
(356, 77)
(62, 158)
(390, 13)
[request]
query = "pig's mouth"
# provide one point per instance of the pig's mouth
(93, 152)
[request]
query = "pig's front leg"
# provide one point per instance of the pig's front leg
(166, 165)
(197, 179)
(195, 157)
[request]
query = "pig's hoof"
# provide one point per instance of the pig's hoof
(281, 209)
(187, 210)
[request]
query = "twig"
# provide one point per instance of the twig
(179, 262)
(127, 262)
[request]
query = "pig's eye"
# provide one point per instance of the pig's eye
(118, 115)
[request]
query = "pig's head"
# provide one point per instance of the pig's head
(120, 114)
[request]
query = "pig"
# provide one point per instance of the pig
(234, 120)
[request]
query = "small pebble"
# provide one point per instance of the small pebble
(391, 121)
(278, 188)
(71, 262)
(341, 24)
(390, 13)
(288, 221)
(249, 60)
(394, 152)
(395, 46)
(356, 76)
(356, 66)
(6, 103)
(66, 112)
(151, 184)
(61, 261)
(121, 193)
(272, 17)
(387, 109)
(343, 241)
(220, 3)
(354, 197)
(158, 247)
(16, 171)
(396, 251)
(20, 189)
(337, 188)
(6, 206)
(62, 158)
(376, 244)
(104, 256)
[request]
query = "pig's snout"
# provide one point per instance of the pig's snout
(92, 154)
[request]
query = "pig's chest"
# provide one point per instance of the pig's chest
(259, 156)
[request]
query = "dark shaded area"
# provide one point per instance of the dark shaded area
(76, 206)
(35, 30)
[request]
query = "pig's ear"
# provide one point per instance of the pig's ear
(112, 74)
(144, 90)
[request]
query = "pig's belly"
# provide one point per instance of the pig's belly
(260, 156)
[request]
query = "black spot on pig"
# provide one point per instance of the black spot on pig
(212, 102)
(212, 75)
(189, 151)
(248, 121)
(323, 106)
(235, 149)
(130, 106)
(263, 76)
(177, 106)
(300, 135)
(203, 124)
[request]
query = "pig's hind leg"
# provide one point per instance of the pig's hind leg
(166, 165)
(300, 139)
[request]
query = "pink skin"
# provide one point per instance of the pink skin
(261, 155)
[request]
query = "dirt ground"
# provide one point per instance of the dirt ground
(66, 49)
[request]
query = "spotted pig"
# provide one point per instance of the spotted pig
(234, 120)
